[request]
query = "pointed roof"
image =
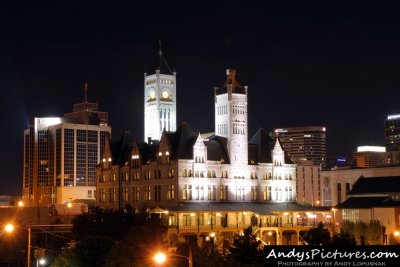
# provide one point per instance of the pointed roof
(122, 148)
(261, 145)
(217, 149)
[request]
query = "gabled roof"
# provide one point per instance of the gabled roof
(182, 142)
(261, 145)
(376, 185)
(121, 149)
(217, 149)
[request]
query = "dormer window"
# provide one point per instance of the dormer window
(106, 164)
(135, 160)
(167, 156)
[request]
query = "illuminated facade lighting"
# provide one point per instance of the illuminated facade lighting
(371, 149)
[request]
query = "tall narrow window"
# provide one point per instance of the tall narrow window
(157, 193)
(171, 192)
(125, 194)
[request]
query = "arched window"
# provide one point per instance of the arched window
(269, 176)
(201, 174)
(190, 174)
(208, 174)
(184, 174)
(196, 174)
(214, 174)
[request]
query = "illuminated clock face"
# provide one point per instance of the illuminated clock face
(165, 95)
(152, 95)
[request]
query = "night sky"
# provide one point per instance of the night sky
(326, 63)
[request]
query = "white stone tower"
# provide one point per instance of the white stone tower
(159, 100)
(231, 122)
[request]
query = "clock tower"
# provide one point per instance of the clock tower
(159, 100)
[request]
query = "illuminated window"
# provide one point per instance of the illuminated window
(147, 193)
(171, 192)
(125, 194)
(136, 194)
(113, 196)
(102, 195)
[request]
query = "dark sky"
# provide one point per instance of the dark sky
(325, 63)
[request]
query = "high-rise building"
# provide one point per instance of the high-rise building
(61, 154)
(392, 132)
(159, 100)
(304, 143)
(370, 156)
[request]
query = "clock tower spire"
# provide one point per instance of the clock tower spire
(159, 99)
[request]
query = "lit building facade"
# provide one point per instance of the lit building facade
(304, 143)
(159, 100)
(308, 183)
(374, 198)
(209, 184)
(337, 182)
(392, 138)
(61, 155)
(370, 156)
(392, 132)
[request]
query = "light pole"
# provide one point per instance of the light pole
(9, 228)
(334, 221)
(160, 257)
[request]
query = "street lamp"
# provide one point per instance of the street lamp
(9, 228)
(41, 261)
(161, 257)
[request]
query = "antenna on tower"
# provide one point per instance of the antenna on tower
(161, 58)
(86, 88)
(159, 54)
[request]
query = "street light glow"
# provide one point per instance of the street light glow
(9, 228)
(20, 203)
(160, 257)
(42, 261)
(396, 233)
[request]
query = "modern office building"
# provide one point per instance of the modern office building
(209, 185)
(61, 155)
(159, 100)
(304, 143)
(370, 156)
(392, 138)
(392, 132)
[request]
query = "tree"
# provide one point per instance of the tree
(112, 238)
(246, 250)
(374, 232)
(343, 239)
(318, 235)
